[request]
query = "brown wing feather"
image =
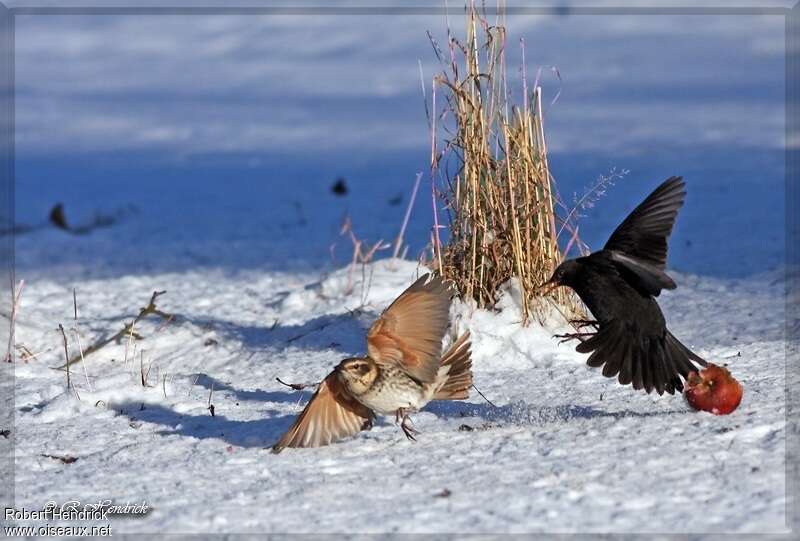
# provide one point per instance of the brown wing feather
(410, 331)
(330, 415)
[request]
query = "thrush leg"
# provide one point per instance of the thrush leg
(408, 428)
(367, 424)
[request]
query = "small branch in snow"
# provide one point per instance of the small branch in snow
(142, 374)
(210, 407)
(64, 459)
(483, 396)
(66, 351)
(150, 309)
(26, 354)
(296, 386)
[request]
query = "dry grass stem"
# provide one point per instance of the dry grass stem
(77, 334)
(495, 179)
(66, 353)
(398, 243)
(362, 254)
(15, 298)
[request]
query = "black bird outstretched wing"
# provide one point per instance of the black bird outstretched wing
(618, 283)
(644, 233)
(639, 244)
(649, 362)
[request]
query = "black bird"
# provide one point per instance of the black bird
(619, 284)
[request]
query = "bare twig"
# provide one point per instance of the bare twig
(26, 354)
(483, 396)
(359, 255)
(210, 407)
(65, 459)
(167, 321)
(128, 329)
(296, 386)
(14, 311)
(149, 367)
(66, 352)
(588, 200)
(142, 376)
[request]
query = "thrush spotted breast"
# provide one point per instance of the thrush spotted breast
(403, 370)
(619, 284)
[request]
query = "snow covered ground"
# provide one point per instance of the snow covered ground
(562, 450)
(213, 142)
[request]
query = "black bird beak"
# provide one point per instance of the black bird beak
(548, 286)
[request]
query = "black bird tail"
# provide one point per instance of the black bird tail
(647, 362)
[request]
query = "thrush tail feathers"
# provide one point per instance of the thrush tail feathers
(459, 376)
(646, 362)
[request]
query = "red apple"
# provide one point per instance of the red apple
(714, 390)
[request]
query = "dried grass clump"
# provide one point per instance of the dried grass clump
(497, 184)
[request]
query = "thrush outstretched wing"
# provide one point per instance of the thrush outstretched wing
(648, 361)
(410, 331)
(330, 415)
(644, 233)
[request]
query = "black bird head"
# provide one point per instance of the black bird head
(564, 275)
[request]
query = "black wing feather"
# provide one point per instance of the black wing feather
(644, 233)
(647, 362)
(626, 373)
(644, 277)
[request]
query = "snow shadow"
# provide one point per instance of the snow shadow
(522, 413)
(262, 432)
(266, 430)
(344, 333)
(259, 395)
